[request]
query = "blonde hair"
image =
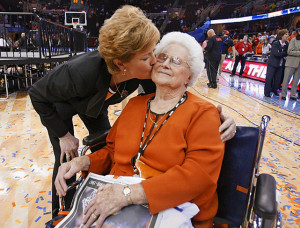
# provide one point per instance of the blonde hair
(127, 32)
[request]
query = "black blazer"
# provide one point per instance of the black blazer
(277, 53)
(81, 82)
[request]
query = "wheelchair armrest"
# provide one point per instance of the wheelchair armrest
(265, 198)
(98, 137)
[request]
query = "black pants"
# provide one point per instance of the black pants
(212, 70)
(243, 62)
(66, 112)
(273, 78)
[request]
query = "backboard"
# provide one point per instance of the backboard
(72, 17)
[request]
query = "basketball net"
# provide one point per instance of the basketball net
(75, 23)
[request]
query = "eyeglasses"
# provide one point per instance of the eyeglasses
(174, 60)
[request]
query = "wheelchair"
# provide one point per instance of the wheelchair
(246, 197)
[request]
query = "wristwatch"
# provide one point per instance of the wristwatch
(127, 191)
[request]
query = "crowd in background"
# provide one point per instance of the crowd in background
(182, 16)
(266, 6)
(187, 12)
(280, 49)
(261, 43)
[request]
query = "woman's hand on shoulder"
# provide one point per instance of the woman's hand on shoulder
(109, 200)
(67, 170)
(228, 127)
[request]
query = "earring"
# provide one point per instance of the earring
(124, 72)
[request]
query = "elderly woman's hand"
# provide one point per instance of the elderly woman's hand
(109, 200)
(67, 170)
(228, 127)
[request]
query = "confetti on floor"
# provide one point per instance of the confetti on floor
(26, 155)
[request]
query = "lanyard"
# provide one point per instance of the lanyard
(148, 140)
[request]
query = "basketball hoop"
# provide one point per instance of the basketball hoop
(74, 23)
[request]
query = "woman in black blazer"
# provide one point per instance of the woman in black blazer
(275, 63)
(87, 84)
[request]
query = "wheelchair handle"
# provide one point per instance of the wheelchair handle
(264, 122)
(96, 138)
(262, 132)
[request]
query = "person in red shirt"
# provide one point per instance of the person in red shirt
(243, 48)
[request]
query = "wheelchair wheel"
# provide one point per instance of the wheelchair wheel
(278, 220)
(259, 222)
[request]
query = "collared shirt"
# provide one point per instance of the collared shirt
(243, 47)
(282, 44)
(110, 93)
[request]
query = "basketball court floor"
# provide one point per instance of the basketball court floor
(26, 156)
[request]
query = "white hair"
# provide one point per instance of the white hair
(195, 60)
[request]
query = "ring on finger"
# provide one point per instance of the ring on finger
(114, 213)
(94, 216)
(68, 155)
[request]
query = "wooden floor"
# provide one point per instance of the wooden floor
(27, 157)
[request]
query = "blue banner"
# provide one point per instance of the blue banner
(19, 30)
(257, 17)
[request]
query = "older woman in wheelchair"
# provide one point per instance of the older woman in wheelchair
(170, 138)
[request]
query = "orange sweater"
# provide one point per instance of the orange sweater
(292, 36)
(188, 149)
(259, 49)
